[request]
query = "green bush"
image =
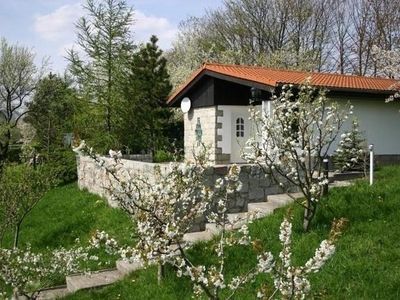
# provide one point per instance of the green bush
(163, 156)
(21, 187)
(61, 165)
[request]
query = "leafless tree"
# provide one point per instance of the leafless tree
(18, 78)
(312, 35)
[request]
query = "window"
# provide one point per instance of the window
(239, 127)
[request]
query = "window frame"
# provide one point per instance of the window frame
(239, 127)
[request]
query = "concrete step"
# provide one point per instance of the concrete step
(53, 293)
(263, 208)
(193, 237)
(125, 267)
(213, 228)
(82, 281)
(298, 195)
(280, 199)
(238, 217)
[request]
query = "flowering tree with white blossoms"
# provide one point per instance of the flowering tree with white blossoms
(388, 61)
(22, 187)
(291, 142)
(27, 272)
(352, 150)
(291, 281)
(166, 208)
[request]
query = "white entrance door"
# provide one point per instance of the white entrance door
(240, 134)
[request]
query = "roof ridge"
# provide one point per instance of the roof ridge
(274, 77)
(205, 64)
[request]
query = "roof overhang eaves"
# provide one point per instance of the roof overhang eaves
(236, 79)
(366, 91)
(186, 86)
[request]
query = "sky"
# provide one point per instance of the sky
(47, 26)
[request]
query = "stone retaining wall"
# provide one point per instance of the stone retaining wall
(95, 179)
(255, 185)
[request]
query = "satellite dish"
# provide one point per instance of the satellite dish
(185, 104)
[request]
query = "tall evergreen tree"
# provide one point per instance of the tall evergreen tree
(104, 37)
(146, 88)
(351, 152)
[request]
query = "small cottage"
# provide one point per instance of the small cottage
(216, 99)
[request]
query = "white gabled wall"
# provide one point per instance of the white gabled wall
(379, 121)
(227, 130)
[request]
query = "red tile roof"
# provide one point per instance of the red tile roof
(276, 77)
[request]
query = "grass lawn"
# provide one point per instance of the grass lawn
(365, 266)
(66, 213)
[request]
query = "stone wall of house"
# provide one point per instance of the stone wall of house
(200, 128)
(255, 185)
(203, 126)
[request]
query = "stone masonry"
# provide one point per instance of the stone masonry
(200, 128)
(255, 185)
(204, 121)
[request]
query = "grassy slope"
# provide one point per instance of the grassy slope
(66, 213)
(366, 265)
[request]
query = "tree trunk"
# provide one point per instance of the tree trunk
(1, 239)
(16, 235)
(15, 294)
(161, 273)
(48, 136)
(309, 212)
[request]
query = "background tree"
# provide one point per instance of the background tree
(146, 88)
(52, 111)
(54, 114)
(104, 38)
(340, 36)
(190, 50)
(276, 33)
(310, 35)
(18, 78)
(388, 61)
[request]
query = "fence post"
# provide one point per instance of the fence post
(371, 164)
(326, 176)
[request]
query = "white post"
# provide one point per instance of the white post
(371, 164)
(326, 175)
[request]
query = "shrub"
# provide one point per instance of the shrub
(163, 156)
(61, 165)
(351, 152)
(22, 187)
